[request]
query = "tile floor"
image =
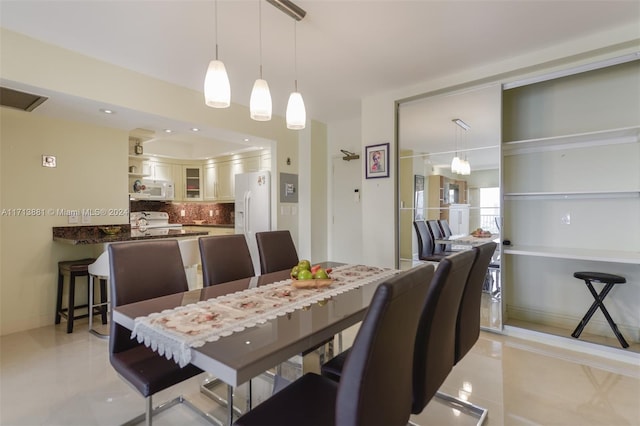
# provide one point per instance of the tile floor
(48, 377)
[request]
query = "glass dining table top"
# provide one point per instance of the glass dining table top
(244, 354)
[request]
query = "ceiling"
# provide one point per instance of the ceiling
(346, 50)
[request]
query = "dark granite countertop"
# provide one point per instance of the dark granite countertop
(76, 235)
(210, 225)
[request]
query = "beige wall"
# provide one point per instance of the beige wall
(89, 154)
(89, 175)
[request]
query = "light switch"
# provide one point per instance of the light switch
(210, 213)
(182, 213)
(73, 218)
(86, 218)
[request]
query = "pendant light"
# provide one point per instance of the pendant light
(296, 112)
(217, 91)
(260, 101)
(455, 163)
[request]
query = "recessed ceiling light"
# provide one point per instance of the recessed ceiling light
(168, 130)
(195, 129)
(107, 111)
(246, 139)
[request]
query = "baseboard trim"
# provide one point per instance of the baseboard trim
(580, 346)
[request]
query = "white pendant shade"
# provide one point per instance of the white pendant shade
(465, 168)
(217, 91)
(455, 164)
(260, 102)
(296, 112)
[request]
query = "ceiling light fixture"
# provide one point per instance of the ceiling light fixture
(107, 111)
(296, 112)
(260, 101)
(458, 165)
(217, 91)
(289, 8)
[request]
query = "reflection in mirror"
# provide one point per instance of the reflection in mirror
(431, 189)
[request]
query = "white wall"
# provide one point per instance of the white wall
(90, 174)
(378, 120)
(28, 263)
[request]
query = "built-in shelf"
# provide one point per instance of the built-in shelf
(570, 195)
(137, 175)
(578, 140)
(618, 256)
(139, 157)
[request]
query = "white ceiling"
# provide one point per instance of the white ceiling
(347, 50)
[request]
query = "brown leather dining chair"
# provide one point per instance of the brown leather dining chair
(433, 356)
(376, 385)
(426, 245)
(225, 258)
(277, 251)
(139, 271)
(468, 322)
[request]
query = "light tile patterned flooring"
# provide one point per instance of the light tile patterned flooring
(48, 377)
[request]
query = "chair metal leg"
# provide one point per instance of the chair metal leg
(92, 281)
(147, 417)
(464, 406)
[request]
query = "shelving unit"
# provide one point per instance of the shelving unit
(571, 201)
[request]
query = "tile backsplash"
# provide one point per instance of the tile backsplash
(211, 213)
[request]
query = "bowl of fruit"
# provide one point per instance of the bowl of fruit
(481, 233)
(304, 275)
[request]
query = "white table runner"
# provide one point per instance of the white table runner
(174, 332)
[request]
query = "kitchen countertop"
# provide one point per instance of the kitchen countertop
(76, 235)
(210, 225)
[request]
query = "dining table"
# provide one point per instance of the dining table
(241, 329)
(466, 240)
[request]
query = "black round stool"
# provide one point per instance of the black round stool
(609, 280)
(72, 269)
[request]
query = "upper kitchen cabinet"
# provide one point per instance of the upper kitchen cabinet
(193, 188)
(571, 197)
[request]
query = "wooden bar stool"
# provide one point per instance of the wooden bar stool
(72, 269)
(609, 280)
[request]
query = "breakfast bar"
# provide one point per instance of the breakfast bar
(80, 235)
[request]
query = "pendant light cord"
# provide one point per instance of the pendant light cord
(295, 54)
(215, 12)
(260, 34)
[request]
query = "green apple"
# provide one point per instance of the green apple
(304, 265)
(321, 274)
(294, 272)
(305, 274)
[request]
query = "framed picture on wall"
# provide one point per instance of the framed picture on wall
(377, 165)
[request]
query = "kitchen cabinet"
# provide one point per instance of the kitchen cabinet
(210, 181)
(157, 170)
(226, 179)
(192, 183)
(571, 198)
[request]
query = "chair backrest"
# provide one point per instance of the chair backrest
(468, 323)
(444, 227)
(277, 251)
(189, 252)
(425, 242)
(142, 270)
(435, 340)
(225, 258)
(100, 268)
(436, 234)
(375, 387)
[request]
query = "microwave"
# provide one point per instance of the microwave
(149, 189)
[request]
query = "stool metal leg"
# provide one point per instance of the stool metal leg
(594, 306)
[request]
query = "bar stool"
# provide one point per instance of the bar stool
(609, 280)
(99, 270)
(72, 269)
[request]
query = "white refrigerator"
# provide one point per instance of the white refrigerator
(253, 209)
